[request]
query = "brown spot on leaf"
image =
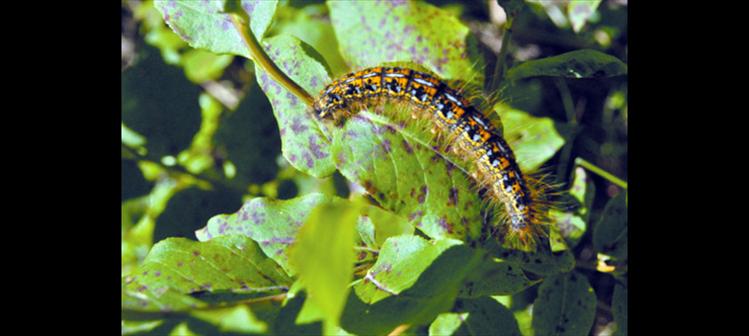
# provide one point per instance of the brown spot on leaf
(452, 198)
(407, 147)
(423, 194)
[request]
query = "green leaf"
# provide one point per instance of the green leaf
(271, 223)
(205, 25)
(176, 266)
(407, 178)
(446, 324)
(401, 261)
(311, 24)
(202, 66)
(543, 262)
(495, 277)
(585, 63)
(534, 140)
(619, 309)
(433, 293)
(302, 142)
(275, 223)
(323, 256)
(579, 11)
(610, 232)
(486, 317)
(371, 34)
(566, 305)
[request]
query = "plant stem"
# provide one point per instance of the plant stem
(258, 55)
(499, 67)
(600, 172)
(569, 110)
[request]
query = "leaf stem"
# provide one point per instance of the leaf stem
(600, 172)
(258, 55)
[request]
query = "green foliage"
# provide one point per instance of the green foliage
(288, 246)
(610, 232)
(323, 254)
(177, 266)
(574, 64)
(565, 305)
(303, 144)
(370, 34)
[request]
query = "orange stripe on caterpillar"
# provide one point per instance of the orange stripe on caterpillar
(462, 128)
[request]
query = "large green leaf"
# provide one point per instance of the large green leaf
(274, 224)
(566, 305)
(610, 232)
(585, 63)
(543, 262)
(408, 178)
(433, 293)
(486, 317)
(302, 143)
(271, 223)
(323, 256)
(495, 277)
(206, 25)
(371, 34)
(400, 263)
(177, 266)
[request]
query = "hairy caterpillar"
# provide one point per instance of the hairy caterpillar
(461, 129)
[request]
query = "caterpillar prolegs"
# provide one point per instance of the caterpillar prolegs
(461, 129)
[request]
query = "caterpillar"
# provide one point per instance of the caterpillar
(462, 129)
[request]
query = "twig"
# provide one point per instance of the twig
(258, 55)
(600, 172)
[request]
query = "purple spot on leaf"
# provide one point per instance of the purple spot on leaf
(386, 145)
(297, 126)
(315, 148)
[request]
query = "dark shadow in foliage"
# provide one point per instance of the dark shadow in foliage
(133, 182)
(191, 209)
(227, 297)
(486, 317)
(285, 325)
(159, 103)
(249, 138)
(433, 293)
